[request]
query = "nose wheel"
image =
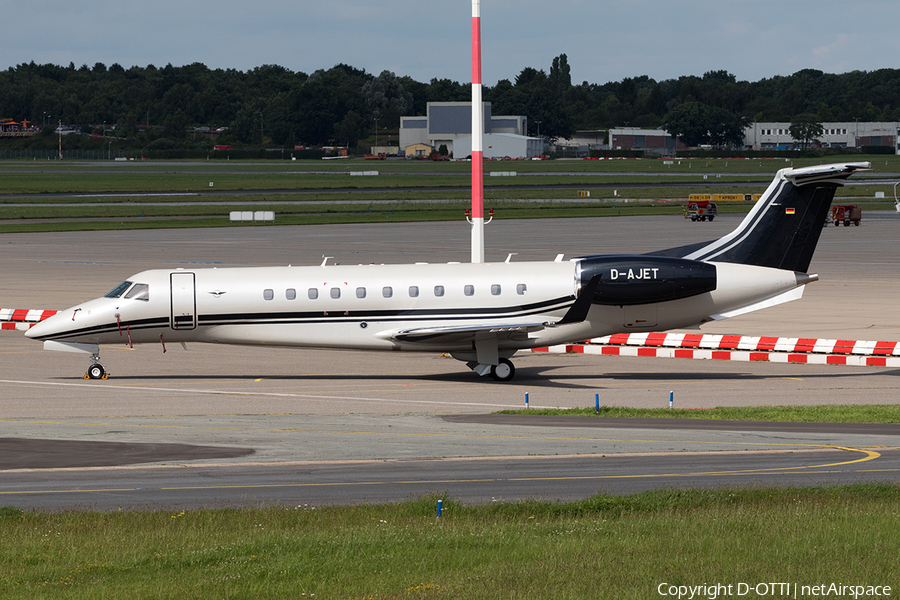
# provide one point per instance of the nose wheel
(96, 370)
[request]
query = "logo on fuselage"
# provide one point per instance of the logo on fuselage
(217, 294)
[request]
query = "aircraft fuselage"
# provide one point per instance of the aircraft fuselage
(394, 307)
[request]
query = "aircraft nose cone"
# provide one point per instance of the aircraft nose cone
(45, 328)
(35, 330)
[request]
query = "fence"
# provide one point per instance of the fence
(67, 154)
(139, 154)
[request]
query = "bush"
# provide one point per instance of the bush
(617, 153)
(162, 144)
(877, 150)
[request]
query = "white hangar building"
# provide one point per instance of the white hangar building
(851, 134)
(450, 124)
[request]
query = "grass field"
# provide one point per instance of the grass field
(880, 162)
(99, 195)
(601, 547)
(843, 413)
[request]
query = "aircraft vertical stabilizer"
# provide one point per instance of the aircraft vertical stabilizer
(783, 228)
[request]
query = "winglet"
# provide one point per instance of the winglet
(579, 310)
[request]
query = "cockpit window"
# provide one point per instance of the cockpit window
(119, 290)
(140, 291)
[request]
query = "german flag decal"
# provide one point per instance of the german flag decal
(789, 211)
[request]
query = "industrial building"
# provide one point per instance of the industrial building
(852, 134)
(760, 136)
(450, 124)
(500, 145)
(655, 141)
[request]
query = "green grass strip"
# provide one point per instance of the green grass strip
(828, 413)
(620, 547)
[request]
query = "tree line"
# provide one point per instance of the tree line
(274, 106)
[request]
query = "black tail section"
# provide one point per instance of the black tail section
(783, 228)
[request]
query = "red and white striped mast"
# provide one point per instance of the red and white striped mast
(477, 141)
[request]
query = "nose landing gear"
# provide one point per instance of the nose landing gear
(96, 370)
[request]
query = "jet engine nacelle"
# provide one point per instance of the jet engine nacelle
(630, 280)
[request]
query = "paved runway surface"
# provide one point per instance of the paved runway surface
(309, 417)
(469, 480)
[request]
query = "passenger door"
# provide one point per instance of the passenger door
(184, 301)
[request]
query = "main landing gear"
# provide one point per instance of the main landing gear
(96, 370)
(502, 371)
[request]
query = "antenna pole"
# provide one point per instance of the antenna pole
(477, 142)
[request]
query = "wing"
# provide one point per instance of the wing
(455, 335)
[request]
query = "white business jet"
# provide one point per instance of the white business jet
(479, 313)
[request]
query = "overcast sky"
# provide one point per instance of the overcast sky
(424, 39)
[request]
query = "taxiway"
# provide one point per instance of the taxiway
(308, 426)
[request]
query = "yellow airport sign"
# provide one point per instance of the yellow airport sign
(724, 197)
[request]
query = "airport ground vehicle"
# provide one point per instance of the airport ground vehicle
(846, 214)
(702, 210)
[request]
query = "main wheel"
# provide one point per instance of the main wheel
(95, 371)
(503, 371)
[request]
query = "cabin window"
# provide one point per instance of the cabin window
(268, 294)
(438, 290)
(335, 293)
(387, 291)
(495, 289)
(290, 294)
(312, 293)
(469, 290)
(140, 291)
(521, 289)
(413, 291)
(360, 292)
(118, 290)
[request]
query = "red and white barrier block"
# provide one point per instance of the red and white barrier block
(22, 319)
(740, 348)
